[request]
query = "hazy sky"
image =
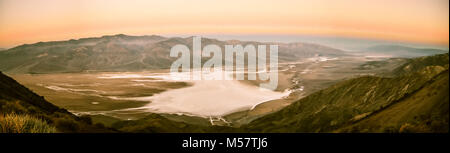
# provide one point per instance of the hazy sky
(30, 21)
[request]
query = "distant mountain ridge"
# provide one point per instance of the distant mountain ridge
(124, 53)
(404, 51)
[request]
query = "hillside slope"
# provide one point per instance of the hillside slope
(427, 110)
(17, 99)
(422, 63)
(350, 101)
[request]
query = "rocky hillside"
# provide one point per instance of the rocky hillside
(123, 53)
(17, 99)
(423, 111)
(413, 101)
(423, 64)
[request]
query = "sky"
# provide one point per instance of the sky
(31, 21)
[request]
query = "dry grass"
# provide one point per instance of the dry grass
(15, 123)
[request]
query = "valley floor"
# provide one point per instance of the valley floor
(110, 96)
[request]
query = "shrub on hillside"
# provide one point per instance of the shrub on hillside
(66, 124)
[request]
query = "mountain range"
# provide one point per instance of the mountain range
(125, 53)
(404, 51)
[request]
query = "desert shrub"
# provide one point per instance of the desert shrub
(86, 119)
(12, 107)
(15, 123)
(99, 125)
(66, 124)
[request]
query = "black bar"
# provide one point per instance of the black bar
(173, 142)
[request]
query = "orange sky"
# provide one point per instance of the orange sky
(30, 21)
